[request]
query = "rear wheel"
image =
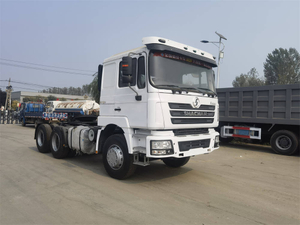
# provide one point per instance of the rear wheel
(42, 138)
(118, 163)
(58, 149)
(176, 162)
(284, 142)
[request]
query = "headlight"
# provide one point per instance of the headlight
(217, 141)
(161, 148)
(161, 145)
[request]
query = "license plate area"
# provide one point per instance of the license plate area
(242, 132)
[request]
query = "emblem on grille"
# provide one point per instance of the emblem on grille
(196, 103)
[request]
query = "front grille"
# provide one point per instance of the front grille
(189, 106)
(190, 131)
(191, 113)
(191, 120)
(187, 145)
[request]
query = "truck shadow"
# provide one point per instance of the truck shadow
(156, 171)
(254, 148)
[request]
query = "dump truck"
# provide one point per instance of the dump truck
(158, 102)
(266, 113)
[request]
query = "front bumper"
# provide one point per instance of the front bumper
(185, 145)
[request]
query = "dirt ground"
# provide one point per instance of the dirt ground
(236, 184)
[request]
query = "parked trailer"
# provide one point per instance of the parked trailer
(55, 111)
(268, 113)
(158, 102)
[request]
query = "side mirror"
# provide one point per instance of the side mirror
(126, 79)
(127, 66)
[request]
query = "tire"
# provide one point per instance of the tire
(42, 138)
(116, 159)
(176, 162)
(226, 140)
(284, 142)
(57, 143)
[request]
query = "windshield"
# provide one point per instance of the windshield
(171, 70)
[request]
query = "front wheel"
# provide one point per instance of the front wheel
(284, 142)
(116, 159)
(176, 162)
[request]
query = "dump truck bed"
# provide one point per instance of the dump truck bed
(273, 104)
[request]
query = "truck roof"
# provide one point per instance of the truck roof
(166, 42)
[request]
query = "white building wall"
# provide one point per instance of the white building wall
(19, 95)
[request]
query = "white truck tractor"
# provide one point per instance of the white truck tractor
(157, 102)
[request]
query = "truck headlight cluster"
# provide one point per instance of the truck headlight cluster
(161, 147)
(217, 141)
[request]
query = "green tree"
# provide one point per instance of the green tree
(14, 104)
(51, 98)
(247, 80)
(2, 97)
(93, 89)
(282, 66)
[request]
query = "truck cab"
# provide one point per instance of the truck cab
(162, 97)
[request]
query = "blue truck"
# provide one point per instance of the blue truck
(55, 111)
(31, 112)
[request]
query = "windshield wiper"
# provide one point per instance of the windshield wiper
(206, 89)
(191, 88)
(167, 85)
(200, 90)
(172, 87)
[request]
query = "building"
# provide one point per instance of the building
(20, 95)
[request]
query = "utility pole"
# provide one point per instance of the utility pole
(8, 96)
(221, 53)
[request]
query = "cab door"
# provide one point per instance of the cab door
(126, 102)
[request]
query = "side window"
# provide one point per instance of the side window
(141, 78)
(133, 82)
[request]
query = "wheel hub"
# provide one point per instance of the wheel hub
(283, 142)
(115, 157)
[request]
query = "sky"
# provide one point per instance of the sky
(80, 34)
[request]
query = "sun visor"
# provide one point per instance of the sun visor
(162, 47)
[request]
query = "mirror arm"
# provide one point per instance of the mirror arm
(137, 97)
(133, 89)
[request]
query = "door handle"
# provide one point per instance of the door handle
(118, 109)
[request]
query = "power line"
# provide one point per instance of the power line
(22, 88)
(20, 82)
(35, 68)
(36, 64)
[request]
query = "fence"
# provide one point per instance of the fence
(9, 117)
